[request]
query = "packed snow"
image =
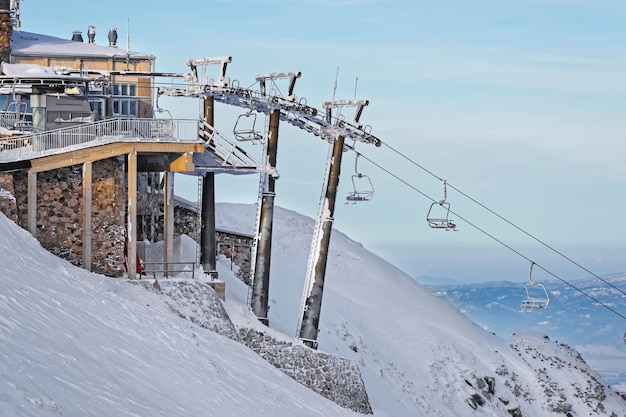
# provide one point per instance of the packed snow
(77, 343)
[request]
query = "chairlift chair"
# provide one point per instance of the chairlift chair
(245, 130)
(14, 114)
(163, 127)
(441, 222)
(362, 188)
(536, 294)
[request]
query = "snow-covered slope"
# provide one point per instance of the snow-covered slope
(594, 331)
(418, 354)
(78, 344)
(74, 343)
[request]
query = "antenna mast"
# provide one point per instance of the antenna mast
(127, 43)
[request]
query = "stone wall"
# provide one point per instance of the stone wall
(237, 248)
(60, 215)
(335, 378)
(109, 191)
(8, 204)
(186, 223)
(60, 212)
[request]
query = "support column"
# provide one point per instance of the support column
(131, 228)
(313, 303)
(87, 195)
(261, 282)
(168, 220)
(32, 203)
(208, 242)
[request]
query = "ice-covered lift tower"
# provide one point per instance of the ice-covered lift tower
(311, 305)
(287, 108)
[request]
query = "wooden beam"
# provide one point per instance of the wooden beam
(182, 163)
(96, 153)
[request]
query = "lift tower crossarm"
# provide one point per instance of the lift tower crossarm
(222, 61)
(299, 115)
(293, 76)
(359, 104)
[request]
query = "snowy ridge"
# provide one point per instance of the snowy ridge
(76, 343)
(572, 318)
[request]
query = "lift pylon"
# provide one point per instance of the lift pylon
(311, 304)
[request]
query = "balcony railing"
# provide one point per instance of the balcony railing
(98, 133)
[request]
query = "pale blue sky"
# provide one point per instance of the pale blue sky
(519, 104)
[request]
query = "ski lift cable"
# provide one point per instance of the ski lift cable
(509, 222)
(483, 231)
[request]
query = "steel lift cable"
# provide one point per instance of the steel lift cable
(483, 231)
(507, 221)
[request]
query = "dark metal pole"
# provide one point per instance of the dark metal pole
(208, 243)
(313, 303)
(261, 282)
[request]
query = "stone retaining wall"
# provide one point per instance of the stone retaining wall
(335, 378)
(60, 211)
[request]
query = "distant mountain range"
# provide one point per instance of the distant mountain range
(571, 317)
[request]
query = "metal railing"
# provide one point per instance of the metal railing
(169, 269)
(98, 133)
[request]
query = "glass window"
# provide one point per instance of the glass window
(125, 100)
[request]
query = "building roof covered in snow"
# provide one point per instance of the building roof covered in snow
(37, 45)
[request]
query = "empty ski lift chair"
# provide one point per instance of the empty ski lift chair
(441, 222)
(366, 190)
(536, 295)
(14, 115)
(245, 128)
(162, 127)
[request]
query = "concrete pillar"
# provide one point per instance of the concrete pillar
(87, 195)
(131, 228)
(168, 220)
(208, 243)
(313, 303)
(261, 282)
(32, 203)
